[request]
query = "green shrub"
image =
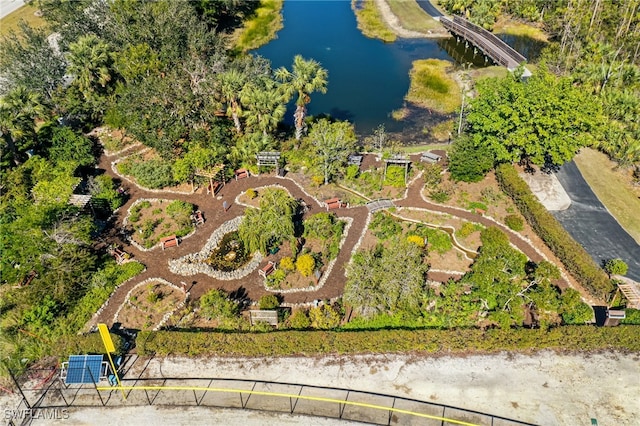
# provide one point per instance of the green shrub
(468, 228)
(426, 341)
(440, 195)
(84, 344)
(216, 304)
(104, 188)
(352, 172)
(298, 320)
(616, 267)
(395, 176)
(154, 174)
(632, 316)
(438, 241)
(269, 301)
(276, 278)
(384, 226)
(475, 205)
(514, 222)
(179, 209)
(251, 193)
(573, 256)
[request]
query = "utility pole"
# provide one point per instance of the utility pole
(465, 68)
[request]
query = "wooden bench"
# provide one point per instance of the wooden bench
(120, 255)
(215, 188)
(242, 173)
(170, 241)
(28, 278)
(268, 269)
(335, 203)
(430, 157)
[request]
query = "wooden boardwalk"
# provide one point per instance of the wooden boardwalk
(487, 42)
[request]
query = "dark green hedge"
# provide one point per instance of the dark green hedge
(283, 343)
(84, 344)
(571, 254)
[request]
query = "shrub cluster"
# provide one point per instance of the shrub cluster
(573, 256)
(289, 343)
(84, 344)
(514, 222)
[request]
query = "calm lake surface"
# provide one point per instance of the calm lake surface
(367, 78)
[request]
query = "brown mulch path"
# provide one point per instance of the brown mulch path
(414, 199)
(251, 286)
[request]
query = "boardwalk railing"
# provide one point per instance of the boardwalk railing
(487, 42)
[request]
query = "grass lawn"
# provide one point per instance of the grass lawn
(488, 72)
(413, 149)
(612, 187)
(412, 16)
(370, 21)
(431, 87)
(27, 13)
(505, 26)
(262, 27)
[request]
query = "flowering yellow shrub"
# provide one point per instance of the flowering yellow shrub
(416, 239)
(286, 263)
(305, 265)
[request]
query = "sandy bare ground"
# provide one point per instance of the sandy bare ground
(394, 24)
(545, 388)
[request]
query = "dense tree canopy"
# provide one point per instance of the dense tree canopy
(386, 280)
(332, 142)
(544, 121)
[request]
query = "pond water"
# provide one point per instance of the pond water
(368, 79)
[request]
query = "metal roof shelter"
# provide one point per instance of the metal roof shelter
(83, 369)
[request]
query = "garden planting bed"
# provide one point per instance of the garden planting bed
(147, 170)
(149, 304)
(151, 219)
(195, 263)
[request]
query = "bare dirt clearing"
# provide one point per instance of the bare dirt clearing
(545, 388)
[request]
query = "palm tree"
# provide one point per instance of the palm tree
(263, 106)
(18, 110)
(90, 62)
(231, 84)
(306, 77)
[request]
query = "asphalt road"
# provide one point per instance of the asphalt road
(591, 224)
(429, 8)
(8, 6)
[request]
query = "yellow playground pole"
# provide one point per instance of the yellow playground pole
(108, 345)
